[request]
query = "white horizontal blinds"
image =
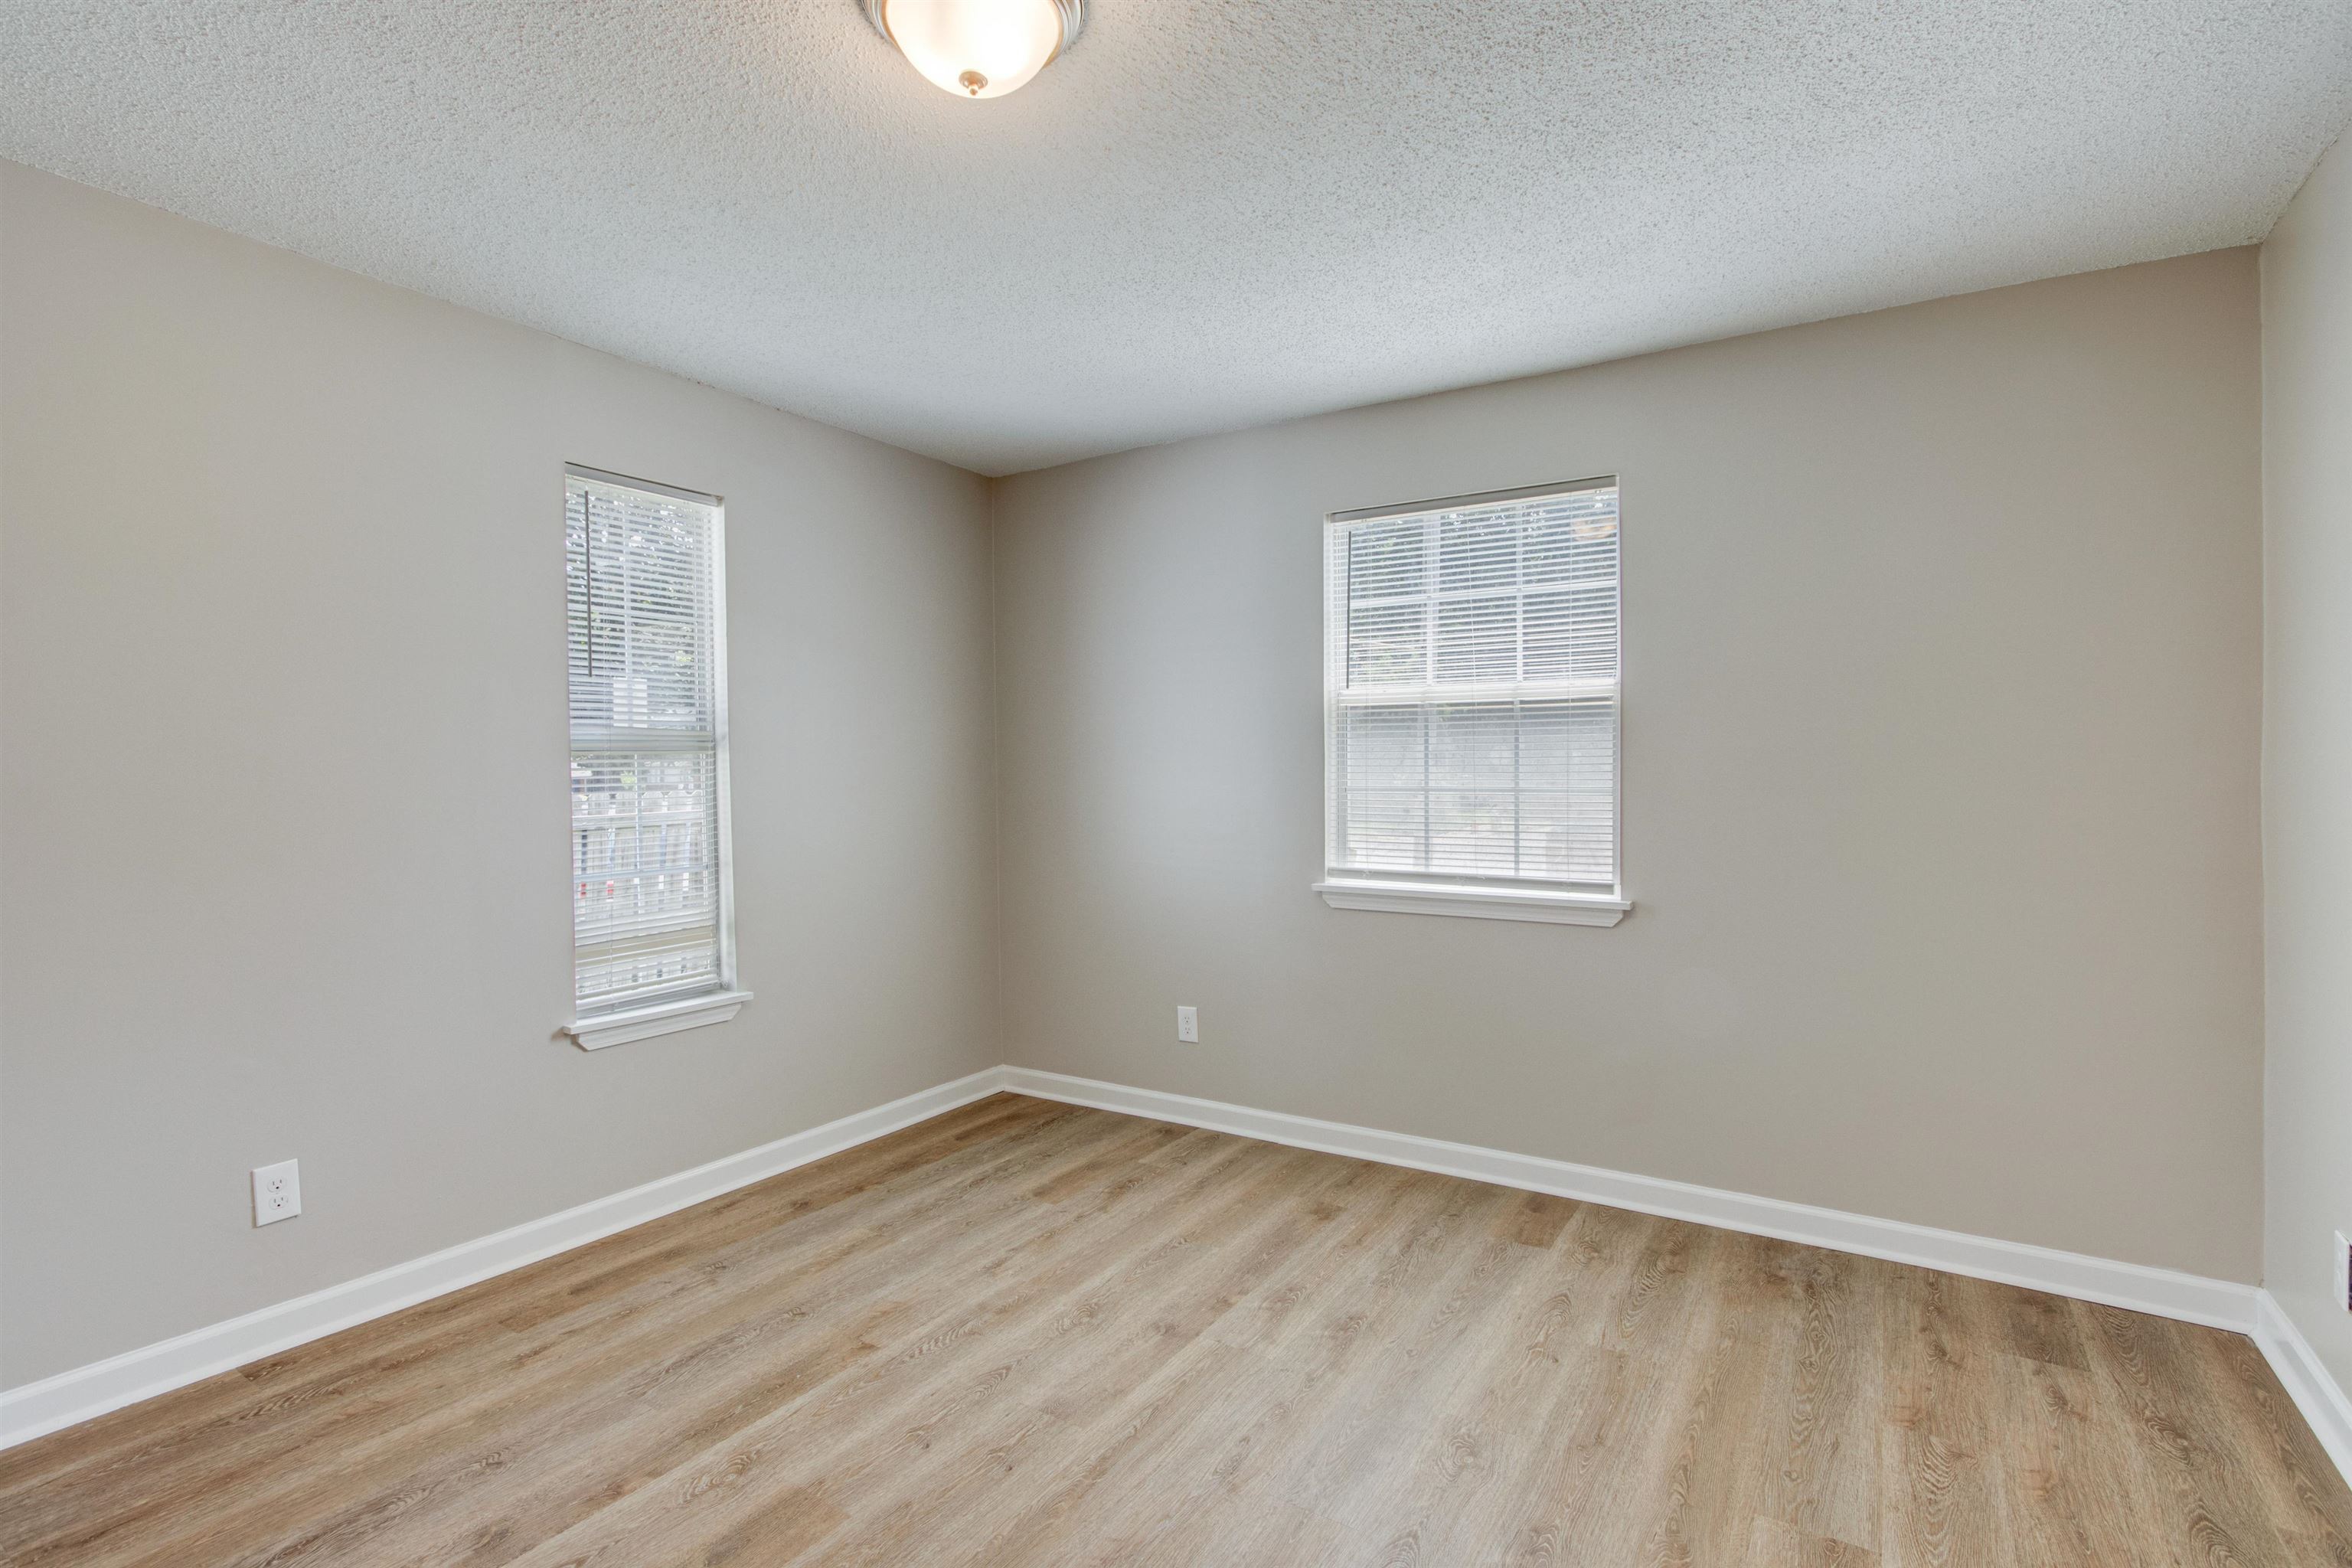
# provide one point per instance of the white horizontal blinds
(1471, 665)
(642, 570)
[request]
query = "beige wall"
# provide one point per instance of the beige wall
(1943, 653)
(1942, 658)
(2308, 750)
(282, 843)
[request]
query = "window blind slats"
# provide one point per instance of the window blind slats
(1472, 676)
(647, 856)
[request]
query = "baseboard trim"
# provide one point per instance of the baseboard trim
(2217, 1303)
(77, 1395)
(2166, 1293)
(2318, 1395)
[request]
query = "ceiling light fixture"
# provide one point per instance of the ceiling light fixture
(979, 48)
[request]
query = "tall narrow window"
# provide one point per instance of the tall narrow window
(1470, 699)
(652, 943)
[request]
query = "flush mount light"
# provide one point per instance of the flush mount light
(979, 48)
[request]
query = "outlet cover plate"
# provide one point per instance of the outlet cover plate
(276, 1191)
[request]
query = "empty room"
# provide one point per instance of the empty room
(1266, 783)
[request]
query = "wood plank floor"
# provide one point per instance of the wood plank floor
(1028, 1334)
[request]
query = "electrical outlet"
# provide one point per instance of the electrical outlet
(1188, 1026)
(2343, 1271)
(276, 1191)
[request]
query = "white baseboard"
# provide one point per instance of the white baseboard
(2220, 1303)
(2319, 1397)
(2217, 1303)
(93, 1390)
(84, 1391)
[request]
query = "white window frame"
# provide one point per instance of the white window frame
(1433, 893)
(595, 1029)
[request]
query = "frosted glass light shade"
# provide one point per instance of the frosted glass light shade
(978, 48)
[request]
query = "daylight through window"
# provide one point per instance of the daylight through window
(1471, 687)
(644, 568)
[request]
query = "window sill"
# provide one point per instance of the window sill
(1479, 903)
(661, 1018)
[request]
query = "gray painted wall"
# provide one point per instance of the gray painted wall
(1943, 648)
(2307, 750)
(282, 761)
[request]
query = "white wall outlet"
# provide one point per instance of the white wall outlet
(1188, 1026)
(2343, 1271)
(276, 1191)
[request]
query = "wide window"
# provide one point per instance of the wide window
(652, 943)
(1471, 707)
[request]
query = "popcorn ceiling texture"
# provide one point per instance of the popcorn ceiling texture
(1212, 213)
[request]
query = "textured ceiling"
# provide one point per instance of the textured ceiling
(1210, 213)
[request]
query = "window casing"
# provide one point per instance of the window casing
(652, 898)
(1471, 704)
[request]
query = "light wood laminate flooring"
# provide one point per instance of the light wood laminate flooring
(1027, 1333)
